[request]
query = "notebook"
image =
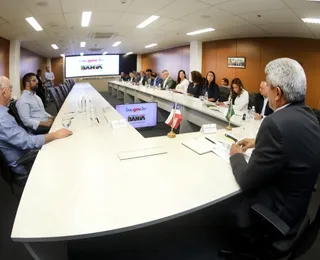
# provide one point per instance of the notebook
(199, 145)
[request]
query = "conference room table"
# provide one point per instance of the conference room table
(79, 188)
(194, 112)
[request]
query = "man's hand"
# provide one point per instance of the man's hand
(245, 144)
(62, 133)
(235, 149)
(257, 116)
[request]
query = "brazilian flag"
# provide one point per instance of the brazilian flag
(230, 112)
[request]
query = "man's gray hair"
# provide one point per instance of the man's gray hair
(288, 75)
(165, 71)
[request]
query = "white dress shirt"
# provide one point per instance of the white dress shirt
(241, 102)
(265, 102)
(183, 86)
(279, 108)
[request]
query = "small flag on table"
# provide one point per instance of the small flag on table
(175, 117)
(230, 113)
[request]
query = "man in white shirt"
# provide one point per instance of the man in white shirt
(261, 102)
(167, 80)
(49, 77)
(31, 109)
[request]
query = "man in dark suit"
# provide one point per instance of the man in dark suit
(155, 79)
(167, 81)
(261, 102)
(284, 165)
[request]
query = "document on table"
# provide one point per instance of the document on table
(141, 153)
(199, 145)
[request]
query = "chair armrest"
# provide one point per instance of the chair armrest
(273, 221)
(28, 157)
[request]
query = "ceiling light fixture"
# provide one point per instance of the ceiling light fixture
(54, 46)
(82, 44)
(311, 20)
(116, 44)
(86, 16)
(128, 53)
(62, 55)
(81, 53)
(104, 53)
(33, 22)
(201, 31)
(151, 45)
(151, 19)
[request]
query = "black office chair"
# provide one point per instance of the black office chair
(56, 99)
(317, 112)
(66, 89)
(276, 240)
(63, 91)
(224, 94)
(59, 93)
(14, 112)
(8, 176)
(72, 82)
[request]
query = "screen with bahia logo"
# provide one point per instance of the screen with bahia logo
(140, 114)
(93, 65)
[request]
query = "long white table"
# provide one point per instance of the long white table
(78, 187)
(194, 113)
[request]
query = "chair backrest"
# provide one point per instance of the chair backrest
(67, 83)
(224, 94)
(252, 96)
(317, 112)
(63, 91)
(5, 172)
(56, 100)
(14, 112)
(66, 89)
(72, 82)
(59, 92)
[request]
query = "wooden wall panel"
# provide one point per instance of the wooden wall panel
(260, 51)
(57, 69)
(4, 57)
(30, 62)
(172, 59)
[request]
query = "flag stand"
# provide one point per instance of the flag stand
(172, 134)
(229, 115)
(229, 127)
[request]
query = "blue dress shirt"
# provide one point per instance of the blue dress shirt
(15, 141)
(31, 110)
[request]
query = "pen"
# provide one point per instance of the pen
(210, 140)
(97, 120)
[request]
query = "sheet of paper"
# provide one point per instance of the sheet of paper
(125, 155)
(198, 145)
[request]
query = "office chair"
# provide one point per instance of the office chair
(14, 112)
(54, 96)
(63, 91)
(275, 241)
(317, 112)
(224, 94)
(252, 97)
(59, 94)
(8, 176)
(66, 89)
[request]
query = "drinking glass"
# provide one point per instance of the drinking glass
(66, 122)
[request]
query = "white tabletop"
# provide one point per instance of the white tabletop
(79, 188)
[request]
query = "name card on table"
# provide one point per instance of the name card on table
(209, 128)
(117, 124)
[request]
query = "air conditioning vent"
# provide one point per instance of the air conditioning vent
(100, 35)
(95, 49)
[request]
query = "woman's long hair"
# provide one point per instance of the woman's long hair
(179, 79)
(214, 78)
(233, 94)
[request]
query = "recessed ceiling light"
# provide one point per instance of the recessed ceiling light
(33, 22)
(128, 53)
(86, 16)
(54, 46)
(104, 53)
(82, 44)
(311, 20)
(151, 19)
(81, 53)
(62, 55)
(116, 44)
(151, 45)
(201, 31)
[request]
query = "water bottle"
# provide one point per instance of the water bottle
(206, 96)
(252, 113)
(167, 88)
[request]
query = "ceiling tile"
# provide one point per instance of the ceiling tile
(48, 7)
(251, 6)
(140, 6)
(104, 19)
(70, 6)
(51, 20)
(10, 12)
(298, 4)
(286, 29)
(246, 31)
(213, 2)
(181, 8)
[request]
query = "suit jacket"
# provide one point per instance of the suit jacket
(170, 83)
(195, 91)
(158, 81)
(213, 91)
(284, 166)
(258, 104)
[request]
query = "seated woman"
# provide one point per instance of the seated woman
(238, 96)
(182, 83)
(195, 88)
(211, 87)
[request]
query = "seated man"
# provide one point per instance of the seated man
(31, 109)
(148, 76)
(155, 80)
(284, 165)
(15, 142)
(167, 81)
(225, 83)
(261, 102)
